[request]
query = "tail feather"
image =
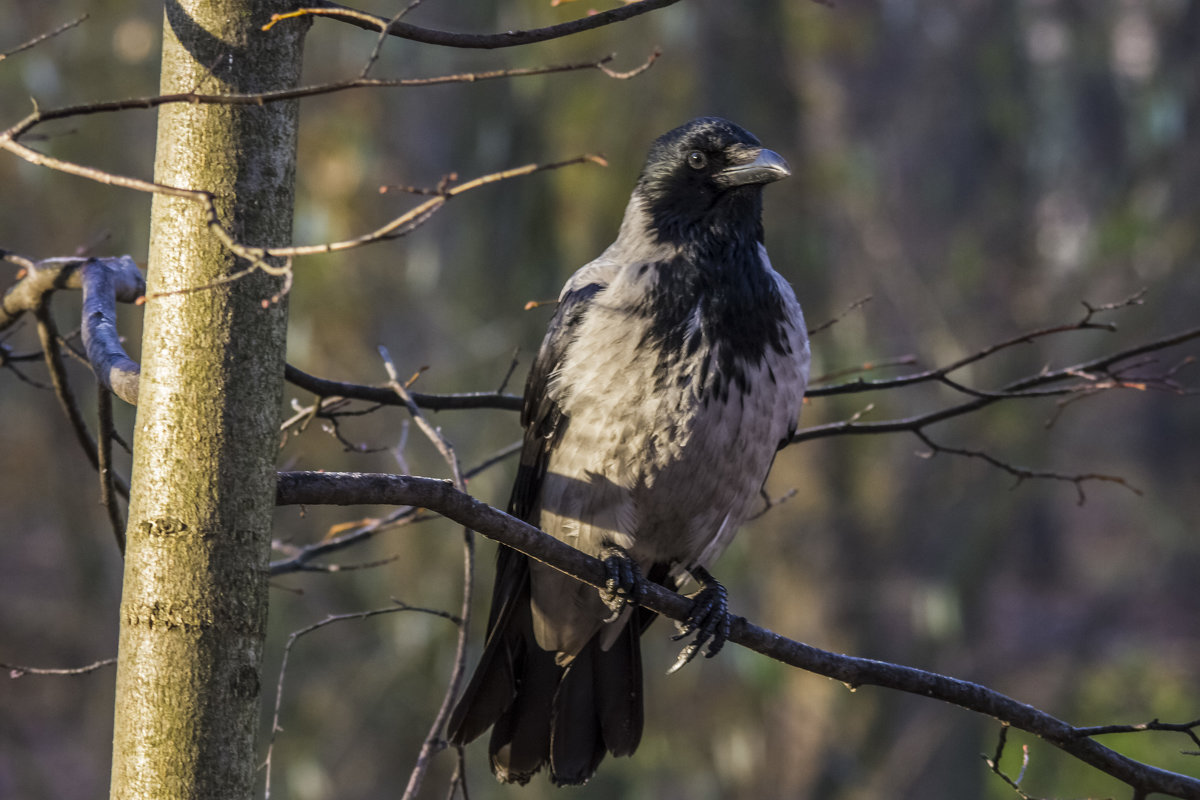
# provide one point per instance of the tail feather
(520, 741)
(576, 742)
(618, 680)
(493, 686)
(543, 714)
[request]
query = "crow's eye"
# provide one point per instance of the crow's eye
(697, 160)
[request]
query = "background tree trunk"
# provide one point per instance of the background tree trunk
(194, 603)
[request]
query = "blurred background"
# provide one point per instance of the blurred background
(978, 169)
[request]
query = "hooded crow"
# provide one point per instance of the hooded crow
(671, 373)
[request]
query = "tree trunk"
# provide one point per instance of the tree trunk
(194, 603)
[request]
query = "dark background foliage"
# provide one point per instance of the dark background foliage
(978, 169)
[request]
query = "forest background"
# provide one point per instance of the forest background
(977, 169)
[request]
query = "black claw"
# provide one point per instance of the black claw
(708, 620)
(623, 584)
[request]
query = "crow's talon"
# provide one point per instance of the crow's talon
(708, 620)
(685, 655)
(623, 584)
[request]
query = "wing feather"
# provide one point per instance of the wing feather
(542, 415)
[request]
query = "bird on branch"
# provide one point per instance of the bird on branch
(672, 372)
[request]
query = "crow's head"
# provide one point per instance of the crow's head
(705, 178)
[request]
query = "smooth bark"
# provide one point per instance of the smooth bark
(194, 603)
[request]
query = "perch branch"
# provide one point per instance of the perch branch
(320, 488)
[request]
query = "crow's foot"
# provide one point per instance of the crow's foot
(624, 582)
(708, 619)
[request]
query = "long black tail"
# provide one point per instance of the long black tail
(541, 713)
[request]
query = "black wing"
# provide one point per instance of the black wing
(509, 653)
(542, 417)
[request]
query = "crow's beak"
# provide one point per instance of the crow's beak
(756, 165)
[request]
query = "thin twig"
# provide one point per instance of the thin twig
(938, 373)
(398, 227)
(1023, 474)
(52, 354)
(39, 116)
(829, 323)
(444, 448)
(301, 558)
(771, 502)
(257, 257)
(304, 558)
(994, 764)
(506, 452)
(479, 41)
(104, 437)
(397, 606)
(43, 37)
(18, 671)
(386, 396)
(9, 361)
(378, 48)
(412, 219)
(433, 740)
(512, 367)
(1022, 388)
(1189, 728)
(867, 366)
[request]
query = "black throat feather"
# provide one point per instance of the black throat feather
(715, 296)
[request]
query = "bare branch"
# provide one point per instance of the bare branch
(318, 488)
(1189, 728)
(385, 396)
(1022, 473)
(52, 355)
(994, 764)
(868, 366)
(304, 558)
(478, 41)
(771, 502)
(432, 434)
(9, 361)
(18, 671)
(35, 283)
(433, 741)
(1028, 337)
(43, 37)
(105, 282)
(257, 257)
(379, 42)
(512, 367)
(9, 137)
(1135, 299)
(104, 437)
(411, 220)
(1045, 383)
(503, 453)
(829, 323)
(397, 606)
